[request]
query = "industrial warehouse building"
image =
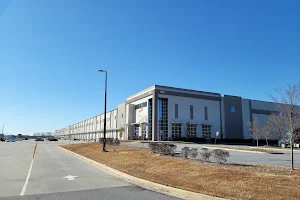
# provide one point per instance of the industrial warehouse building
(161, 113)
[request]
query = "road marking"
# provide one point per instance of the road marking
(70, 177)
(33, 154)
(29, 172)
(27, 179)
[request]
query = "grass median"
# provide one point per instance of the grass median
(188, 175)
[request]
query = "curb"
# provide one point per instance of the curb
(179, 193)
(233, 149)
(287, 149)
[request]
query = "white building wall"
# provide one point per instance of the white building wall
(121, 120)
(94, 124)
(98, 123)
(142, 116)
(246, 118)
(199, 105)
(114, 119)
(129, 119)
(108, 124)
(139, 115)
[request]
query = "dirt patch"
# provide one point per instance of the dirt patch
(229, 181)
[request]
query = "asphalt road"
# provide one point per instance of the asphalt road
(51, 164)
(282, 160)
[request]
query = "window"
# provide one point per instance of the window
(191, 130)
(115, 117)
(176, 130)
(163, 118)
(137, 130)
(232, 109)
(150, 119)
(206, 131)
(205, 113)
(122, 115)
(191, 112)
(176, 111)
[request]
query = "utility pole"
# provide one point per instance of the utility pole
(104, 128)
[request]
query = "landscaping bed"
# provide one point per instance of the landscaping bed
(222, 180)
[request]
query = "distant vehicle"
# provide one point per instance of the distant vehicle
(10, 140)
(2, 140)
(53, 139)
(26, 138)
(39, 139)
(75, 139)
(285, 142)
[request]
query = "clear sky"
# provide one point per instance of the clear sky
(50, 52)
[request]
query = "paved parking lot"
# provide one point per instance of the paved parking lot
(57, 174)
(243, 157)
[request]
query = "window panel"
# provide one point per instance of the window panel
(206, 131)
(191, 130)
(232, 109)
(191, 112)
(176, 130)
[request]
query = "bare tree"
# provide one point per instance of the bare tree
(288, 105)
(37, 134)
(256, 130)
(276, 127)
(266, 134)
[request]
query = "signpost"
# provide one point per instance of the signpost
(217, 134)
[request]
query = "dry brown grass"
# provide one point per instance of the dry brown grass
(192, 176)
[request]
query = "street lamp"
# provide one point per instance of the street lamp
(104, 130)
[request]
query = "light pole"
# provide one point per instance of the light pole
(104, 129)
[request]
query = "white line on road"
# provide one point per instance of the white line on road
(27, 179)
(29, 172)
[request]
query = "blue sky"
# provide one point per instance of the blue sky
(50, 52)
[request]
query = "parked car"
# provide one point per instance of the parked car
(11, 140)
(285, 142)
(75, 139)
(53, 139)
(39, 139)
(2, 140)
